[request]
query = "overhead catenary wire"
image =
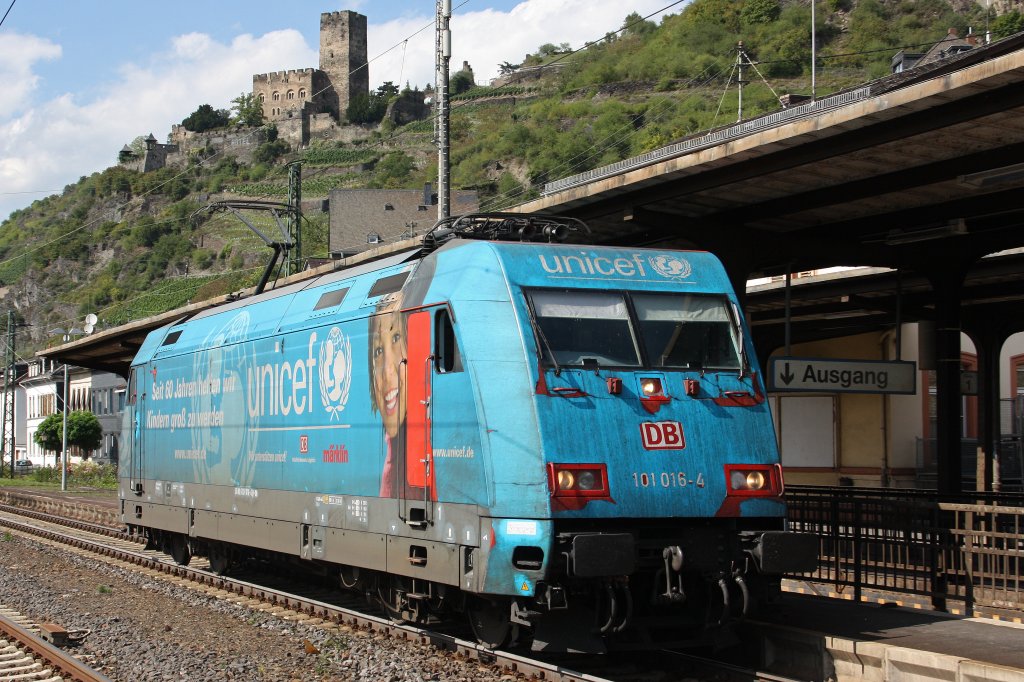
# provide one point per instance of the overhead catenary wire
(9, 8)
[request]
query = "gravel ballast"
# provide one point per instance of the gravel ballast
(138, 628)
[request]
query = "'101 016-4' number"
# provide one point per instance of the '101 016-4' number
(666, 479)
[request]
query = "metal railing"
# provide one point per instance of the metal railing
(990, 538)
(906, 541)
(715, 137)
(1009, 453)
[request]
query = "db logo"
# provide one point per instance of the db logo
(303, 444)
(662, 436)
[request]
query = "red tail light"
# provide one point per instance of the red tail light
(572, 486)
(753, 480)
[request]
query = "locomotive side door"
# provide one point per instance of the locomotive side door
(417, 488)
(134, 413)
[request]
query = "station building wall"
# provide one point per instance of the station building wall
(875, 440)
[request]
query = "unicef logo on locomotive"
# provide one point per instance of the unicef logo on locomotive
(672, 267)
(335, 372)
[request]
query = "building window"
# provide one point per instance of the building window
(291, 94)
(276, 96)
(302, 93)
(263, 98)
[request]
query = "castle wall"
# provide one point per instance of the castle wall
(408, 107)
(156, 155)
(238, 142)
(322, 127)
(294, 131)
(343, 57)
(283, 93)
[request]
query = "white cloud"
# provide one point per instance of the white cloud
(47, 146)
(489, 37)
(18, 54)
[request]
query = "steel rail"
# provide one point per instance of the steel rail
(510, 662)
(60, 661)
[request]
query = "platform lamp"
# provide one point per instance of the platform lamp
(66, 334)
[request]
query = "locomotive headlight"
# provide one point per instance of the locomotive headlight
(587, 480)
(737, 481)
(763, 480)
(650, 387)
(755, 480)
(566, 480)
(747, 480)
(572, 486)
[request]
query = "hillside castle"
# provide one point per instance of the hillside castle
(309, 103)
(304, 104)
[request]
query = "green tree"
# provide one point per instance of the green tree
(636, 25)
(247, 109)
(461, 82)
(205, 118)
(1008, 24)
(387, 90)
(372, 107)
(760, 11)
(84, 431)
(268, 151)
(394, 170)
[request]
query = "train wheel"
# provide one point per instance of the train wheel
(179, 550)
(390, 591)
(490, 621)
(220, 558)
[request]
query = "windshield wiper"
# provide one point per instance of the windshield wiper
(539, 333)
(739, 337)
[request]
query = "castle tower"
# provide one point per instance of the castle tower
(342, 52)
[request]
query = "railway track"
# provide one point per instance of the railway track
(122, 549)
(27, 657)
(128, 552)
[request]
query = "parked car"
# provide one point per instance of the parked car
(23, 466)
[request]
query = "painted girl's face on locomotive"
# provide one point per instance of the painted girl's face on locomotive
(387, 351)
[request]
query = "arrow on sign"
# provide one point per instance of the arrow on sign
(787, 376)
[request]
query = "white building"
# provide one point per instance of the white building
(101, 393)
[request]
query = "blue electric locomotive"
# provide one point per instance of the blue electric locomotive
(566, 442)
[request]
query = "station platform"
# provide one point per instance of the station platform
(818, 638)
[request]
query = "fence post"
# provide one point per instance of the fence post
(937, 548)
(967, 556)
(836, 547)
(858, 507)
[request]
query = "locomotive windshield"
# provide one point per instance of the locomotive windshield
(583, 327)
(687, 331)
(613, 329)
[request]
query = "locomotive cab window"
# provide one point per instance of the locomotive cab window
(687, 331)
(584, 328)
(446, 350)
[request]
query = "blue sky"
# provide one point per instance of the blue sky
(84, 77)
